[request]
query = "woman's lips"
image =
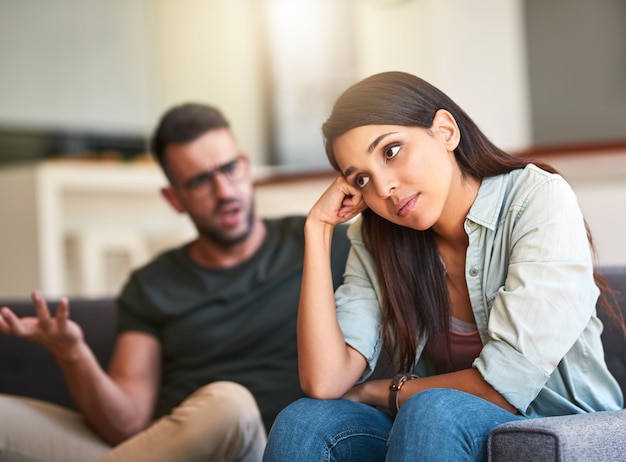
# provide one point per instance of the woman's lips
(405, 207)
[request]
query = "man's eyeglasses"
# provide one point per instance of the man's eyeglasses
(203, 183)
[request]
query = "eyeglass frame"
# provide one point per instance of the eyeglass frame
(197, 184)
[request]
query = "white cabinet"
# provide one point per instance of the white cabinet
(57, 214)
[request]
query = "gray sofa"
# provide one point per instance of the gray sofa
(28, 369)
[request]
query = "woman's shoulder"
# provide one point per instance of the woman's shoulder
(525, 180)
(532, 173)
(517, 189)
(533, 178)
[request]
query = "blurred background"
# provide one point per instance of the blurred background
(83, 82)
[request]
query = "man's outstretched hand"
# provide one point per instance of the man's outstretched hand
(58, 333)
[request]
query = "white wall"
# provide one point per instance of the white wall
(75, 64)
(209, 50)
(117, 64)
(473, 51)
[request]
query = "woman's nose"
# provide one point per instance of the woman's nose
(384, 184)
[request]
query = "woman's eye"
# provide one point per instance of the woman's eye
(391, 152)
(361, 181)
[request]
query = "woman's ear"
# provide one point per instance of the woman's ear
(445, 124)
(171, 196)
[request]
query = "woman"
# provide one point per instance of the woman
(472, 269)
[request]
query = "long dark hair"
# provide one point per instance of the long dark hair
(410, 272)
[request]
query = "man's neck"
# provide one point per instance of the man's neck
(212, 255)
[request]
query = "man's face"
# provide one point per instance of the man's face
(210, 181)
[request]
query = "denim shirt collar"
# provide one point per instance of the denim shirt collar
(486, 208)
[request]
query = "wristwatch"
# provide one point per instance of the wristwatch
(394, 391)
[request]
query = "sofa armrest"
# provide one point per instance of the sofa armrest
(580, 437)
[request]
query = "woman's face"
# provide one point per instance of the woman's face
(405, 174)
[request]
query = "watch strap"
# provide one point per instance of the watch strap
(394, 391)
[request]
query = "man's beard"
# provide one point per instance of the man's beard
(227, 240)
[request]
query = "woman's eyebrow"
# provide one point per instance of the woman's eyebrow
(370, 149)
(378, 139)
(349, 171)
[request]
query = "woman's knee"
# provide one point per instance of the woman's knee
(324, 416)
(436, 419)
(293, 432)
(310, 429)
(429, 414)
(434, 406)
(305, 412)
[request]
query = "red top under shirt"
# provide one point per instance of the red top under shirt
(465, 346)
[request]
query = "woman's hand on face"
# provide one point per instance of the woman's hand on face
(339, 203)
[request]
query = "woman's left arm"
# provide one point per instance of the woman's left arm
(548, 294)
(376, 392)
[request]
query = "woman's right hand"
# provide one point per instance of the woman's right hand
(339, 203)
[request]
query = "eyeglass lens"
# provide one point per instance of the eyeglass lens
(204, 182)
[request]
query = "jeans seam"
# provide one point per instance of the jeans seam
(344, 435)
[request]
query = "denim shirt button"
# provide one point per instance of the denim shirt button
(473, 272)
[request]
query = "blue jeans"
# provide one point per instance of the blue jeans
(434, 425)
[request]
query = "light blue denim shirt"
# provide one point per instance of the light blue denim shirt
(529, 273)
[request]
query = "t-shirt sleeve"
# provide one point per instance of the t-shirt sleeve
(131, 304)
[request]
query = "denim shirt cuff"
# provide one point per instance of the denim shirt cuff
(512, 375)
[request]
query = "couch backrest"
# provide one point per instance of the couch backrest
(613, 337)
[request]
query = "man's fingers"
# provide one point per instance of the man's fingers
(4, 326)
(11, 323)
(41, 308)
(63, 313)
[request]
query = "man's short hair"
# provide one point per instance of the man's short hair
(184, 123)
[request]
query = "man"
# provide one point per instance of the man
(206, 352)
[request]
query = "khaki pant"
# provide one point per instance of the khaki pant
(219, 422)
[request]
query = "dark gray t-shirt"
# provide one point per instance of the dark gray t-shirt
(236, 324)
